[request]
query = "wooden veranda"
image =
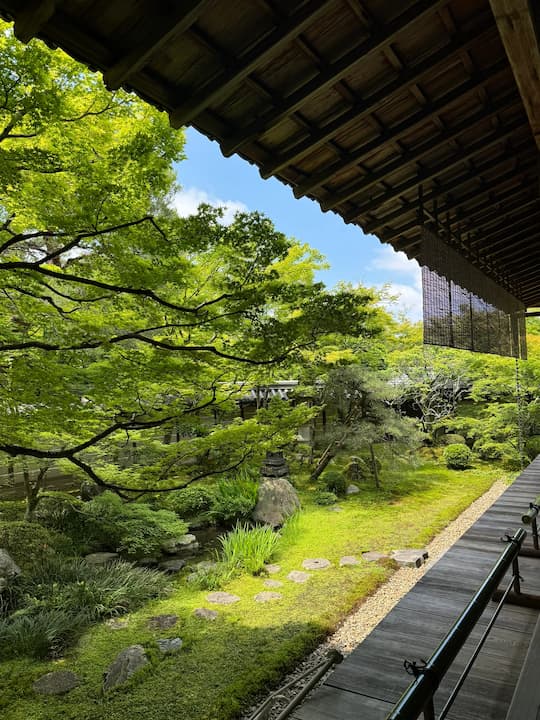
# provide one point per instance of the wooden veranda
(370, 681)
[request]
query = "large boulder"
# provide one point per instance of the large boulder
(8, 568)
(277, 501)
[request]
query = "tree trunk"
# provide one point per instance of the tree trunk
(374, 466)
(32, 492)
(324, 461)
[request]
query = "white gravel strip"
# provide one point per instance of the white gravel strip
(357, 626)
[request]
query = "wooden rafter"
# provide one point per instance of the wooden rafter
(260, 52)
(518, 23)
(428, 112)
(159, 32)
(365, 106)
(32, 17)
(410, 157)
(334, 72)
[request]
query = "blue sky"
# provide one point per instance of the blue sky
(207, 176)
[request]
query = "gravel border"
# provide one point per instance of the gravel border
(357, 626)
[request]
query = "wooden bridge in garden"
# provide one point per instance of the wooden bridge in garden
(371, 680)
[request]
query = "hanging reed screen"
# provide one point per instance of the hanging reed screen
(463, 308)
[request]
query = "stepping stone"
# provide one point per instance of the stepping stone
(273, 583)
(222, 598)
(335, 508)
(298, 576)
(126, 664)
(316, 564)
(272, 569)
(116, 624)
(205, 613)
(348, 560)
(172, 566)
(409, 558)
(168, 646)
(162, 622)
(373, 556)
(267, 596)
(353, 489)
(56, 683)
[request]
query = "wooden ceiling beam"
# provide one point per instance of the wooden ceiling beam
(33, 16)
(455, 220)
(423, 176)
(259, 52)
(160, 29)
(356, 156)
(505, 235)
(433, 144)
(365, 106)
(335, 71)
(519, 26)
(516, 214)
(524, 159)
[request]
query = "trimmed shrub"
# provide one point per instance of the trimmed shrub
(453, 439)
(248, 548)
(109, 523)
(487, 450)
(29, 543)
(234, 500)
(457, 457)
(335, 482)
(189, 502)
(532, 447)
(133, 529)
(322, 497)
(12, 510)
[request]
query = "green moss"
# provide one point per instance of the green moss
(225, 663)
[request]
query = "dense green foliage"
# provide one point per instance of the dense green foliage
(457, 456)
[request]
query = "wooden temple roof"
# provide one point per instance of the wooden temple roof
(362, 105)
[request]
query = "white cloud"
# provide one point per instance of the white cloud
(397, 262)
(401, 300)
(403, 296)
(187, 201)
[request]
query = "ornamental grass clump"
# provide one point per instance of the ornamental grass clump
(249, 548)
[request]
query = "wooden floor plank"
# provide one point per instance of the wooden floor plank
(372, 678)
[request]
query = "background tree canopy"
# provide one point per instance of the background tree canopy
(121, 322)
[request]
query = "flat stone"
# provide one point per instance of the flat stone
(273, 583)
(101, 558)
(56, 683)
(173, 565)
(205, 613)
(167, 646)
(181, 544)
(206, 565)
(222, 598)
(298, 576)
(348, 560)
(267, 596)
(353, 489)
(116, 624)
(409, 558)
(316, 564)
(162, 622)
(335, 508)
(272, 569)
(126, 664)
(188, 539)
(373, 556)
